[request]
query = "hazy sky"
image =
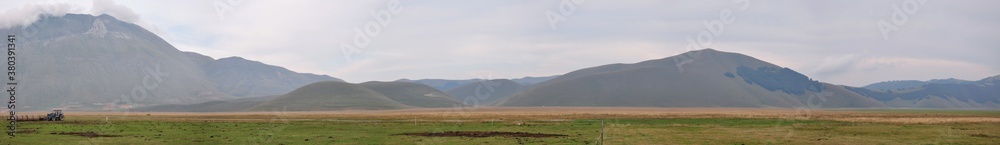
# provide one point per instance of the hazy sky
(840, 42)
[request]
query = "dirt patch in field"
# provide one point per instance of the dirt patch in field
(984, 135)
(78, 122)
(86, 134)
(481, 134)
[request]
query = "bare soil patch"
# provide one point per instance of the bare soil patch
(77, 122)
(984, 135)
(88, 134)
(481, 134)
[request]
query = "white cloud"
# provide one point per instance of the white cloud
(872, 70)
(121, 12)
(836, 65)
(118, 11)
(29, 13)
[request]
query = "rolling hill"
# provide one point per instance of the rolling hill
(330, 95)
(333, 95)
(413, 94)
(703, 78)
(211, 106)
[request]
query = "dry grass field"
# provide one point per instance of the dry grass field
(528, 125)
(571, 113)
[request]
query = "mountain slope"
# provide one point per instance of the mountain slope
(85, 62)
(704, 78)
(533, 80)
(247, 78)
(83, 59)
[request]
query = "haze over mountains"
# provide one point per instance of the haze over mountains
(89, 62)
(444, 84)
(487, 92)
(909, 84)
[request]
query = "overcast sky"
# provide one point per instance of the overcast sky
(840, 42)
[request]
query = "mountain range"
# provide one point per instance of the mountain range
(940, 94)
(710, 78)
(86, 62)
(910, 84)
(446, 84)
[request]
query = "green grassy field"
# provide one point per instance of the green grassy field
(618, 131)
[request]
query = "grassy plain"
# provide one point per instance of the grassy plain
(578, 125)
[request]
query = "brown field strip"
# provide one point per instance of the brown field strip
(548, 114)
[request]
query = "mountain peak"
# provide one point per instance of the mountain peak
(233, 58)
(990, 79)
(101, 16)
(708, 50)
